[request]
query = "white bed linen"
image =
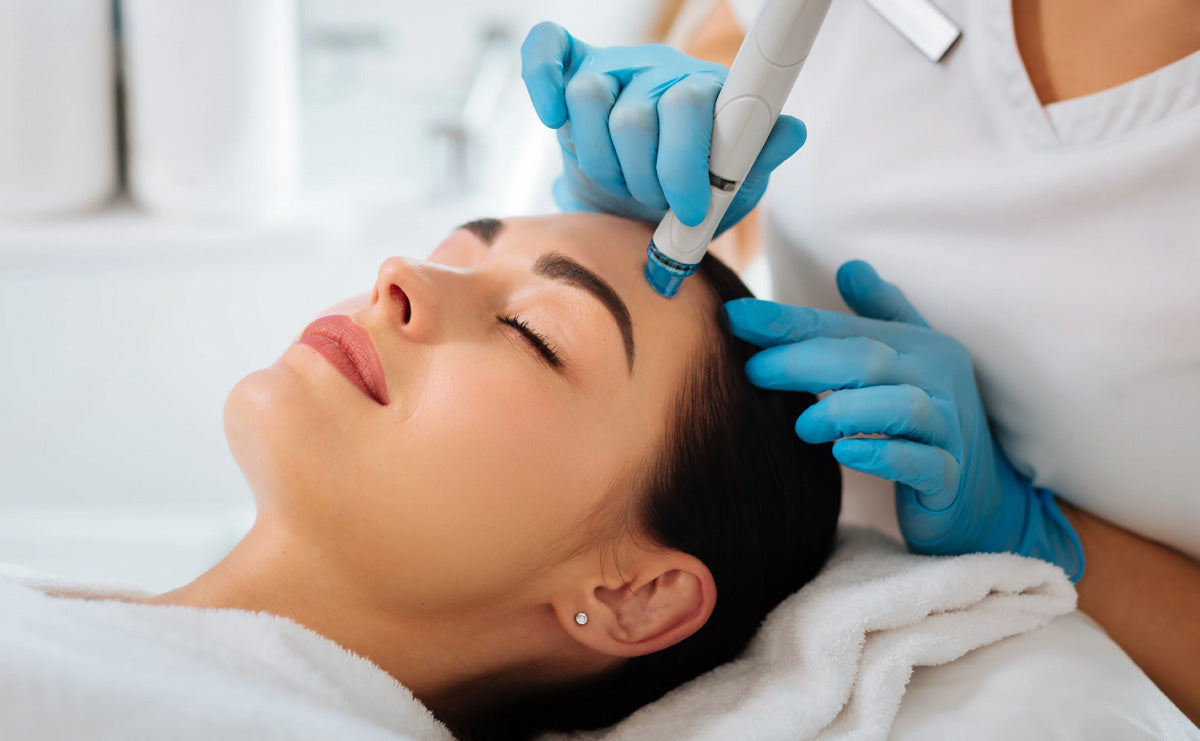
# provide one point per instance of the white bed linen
(1067, 680)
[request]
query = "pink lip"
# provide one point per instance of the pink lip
(348, 348)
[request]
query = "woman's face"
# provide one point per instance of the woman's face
(496, 451)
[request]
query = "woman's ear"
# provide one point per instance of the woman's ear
(656, 599)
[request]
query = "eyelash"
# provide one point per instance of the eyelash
(537, 340)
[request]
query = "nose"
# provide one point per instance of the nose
(407, 292)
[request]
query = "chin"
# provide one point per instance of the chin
(299, 434)
(277, 430)
(249, 428)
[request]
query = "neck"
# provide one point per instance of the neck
(1073, 48)
(438, 658)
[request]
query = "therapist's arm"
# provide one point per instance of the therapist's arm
(1147, 597)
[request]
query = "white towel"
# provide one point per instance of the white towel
(830, 662)
(106, 669)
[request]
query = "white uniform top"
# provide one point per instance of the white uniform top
(1060, 244)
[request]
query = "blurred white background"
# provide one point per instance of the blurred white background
(122, 331)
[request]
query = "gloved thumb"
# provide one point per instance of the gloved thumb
(785, 139)
(870, 296)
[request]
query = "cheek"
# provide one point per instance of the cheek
(494, 467)
(347, 305)
(503, 437)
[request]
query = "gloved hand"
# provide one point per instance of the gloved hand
(956, 491)
(635, 124)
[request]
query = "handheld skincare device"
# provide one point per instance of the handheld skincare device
(759, 81)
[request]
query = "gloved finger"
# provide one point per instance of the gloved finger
(766, 323)
(787, 136)
(633, 126)
(590, 99)
(870, 296)
(821, 364)
(931, 471)
(549, 55)
(685, 115)
(785, 139)
(902, 411)
(566, 198)
(572, 192)
(566, 141)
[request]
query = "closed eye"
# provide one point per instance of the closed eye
(536, 340)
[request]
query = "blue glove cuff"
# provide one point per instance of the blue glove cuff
(1062, 546)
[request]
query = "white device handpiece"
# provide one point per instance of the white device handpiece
(759, 82)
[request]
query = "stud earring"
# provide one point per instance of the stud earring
(581, 618)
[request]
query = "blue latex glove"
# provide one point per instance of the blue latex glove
(956, 491)
(635, 124)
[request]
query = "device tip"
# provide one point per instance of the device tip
(664, 274)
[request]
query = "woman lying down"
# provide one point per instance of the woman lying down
(512, 477)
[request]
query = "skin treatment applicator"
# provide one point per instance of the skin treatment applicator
(759, 82)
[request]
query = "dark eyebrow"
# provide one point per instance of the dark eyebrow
(562, 268)
(486, 229)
